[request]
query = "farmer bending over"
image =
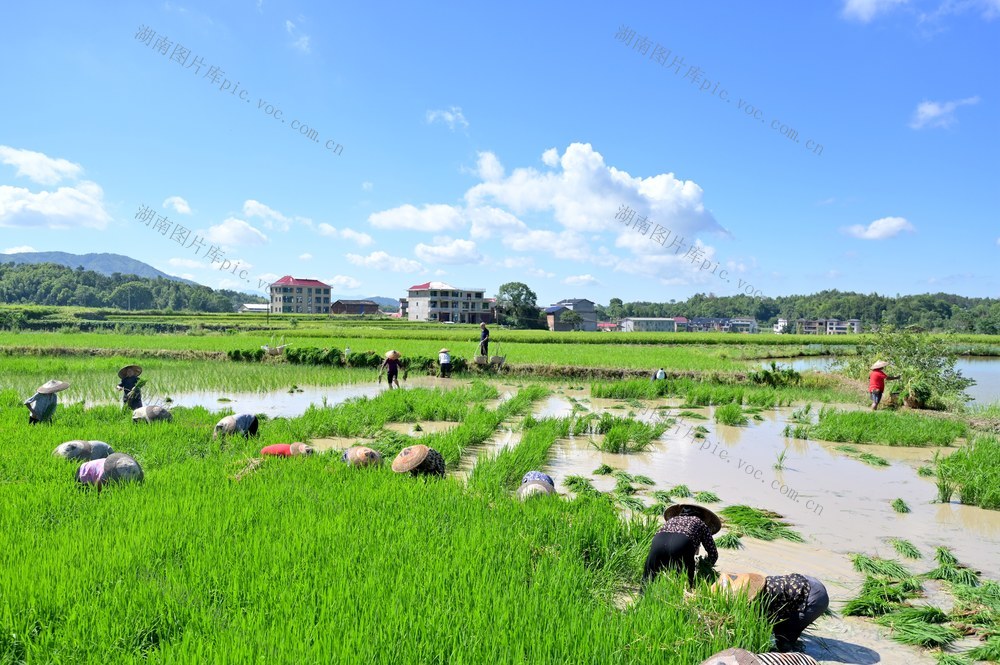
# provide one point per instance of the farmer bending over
(687, 526)
(241, 423)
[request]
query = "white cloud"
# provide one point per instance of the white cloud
(432, 218)
(550, 157)
(342, 283)
(486, 220)
(449, 251)
(305, 257)
(362, 239)
(178, 204)
(38, 166)
(64, 208)
(581, 280)
(382, 261)
(300, 42)
(272, 218)
(866, 10)
(367, 186)
(451, 117)
(185, 263)
(938, 114)
(27, 248)
(585, 195)
(234, 232)
(880, 229)
(489, 167)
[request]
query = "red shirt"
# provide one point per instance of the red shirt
(876, 380)
(282, 449)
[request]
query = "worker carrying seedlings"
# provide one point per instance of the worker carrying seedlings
(534, 483)
(287, 449)
(686, 527)
(361, 456)
(876, 382)
(484, 340)
(743, 657)
(391, 367)
(659, 375)
(419, 460)
(129, 385)
(444, 359)
(791, 602)
(42, 405)
(240, 423)
(83, 450)
(115, 468)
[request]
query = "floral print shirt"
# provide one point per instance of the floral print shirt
(696, 530)
(785, 596)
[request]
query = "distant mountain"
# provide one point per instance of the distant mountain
(105, 264)
(378, 300)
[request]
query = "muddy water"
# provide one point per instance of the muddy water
(839, 504)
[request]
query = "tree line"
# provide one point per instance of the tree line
(53, 284)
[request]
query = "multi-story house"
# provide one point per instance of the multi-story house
(300, 296)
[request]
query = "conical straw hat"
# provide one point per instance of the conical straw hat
(735, 582)
(121, 467)
(129, 370)
(880, 364)
(392, 354)
(444, 351)
(83, 450)
(299, 448)
(52, 386)
(533, 487)
(410, 458)
(362, 456)
(710, 519)
(744, 657)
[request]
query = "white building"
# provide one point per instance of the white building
(648, 324)
(439, 301)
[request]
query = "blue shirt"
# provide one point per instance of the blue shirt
(538, 476)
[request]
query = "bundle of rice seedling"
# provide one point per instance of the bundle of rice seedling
(643, 480)
(707, 497)
(632, 503)
(730, 414)
(692, 415)
(623, 476)
(870, 565)
(760, 524)
(917, 632)
(900, 506)
(579, 485)
(729, 541)
(953, 659)
(603, 470)
(848, 449)
(906, 548)
(945, 557)
(874, 460)
(989, 650)
(624, 487)
(663, 496)
(954, 574)
(679, 491)
(925, 471)
(925, 613)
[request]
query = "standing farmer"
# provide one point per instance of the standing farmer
(876, 382)
(129, 385)
(444, 359)
(391, 367)
(42, 405)
(484, 340)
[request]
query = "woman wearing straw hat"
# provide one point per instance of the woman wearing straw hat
(419, 461)
(83, 450)
(534, 483)
(42, 405)
(240, 423)
(444, 359)
(791, 602)
(116, 467)
(391, 367)
(876, 382)
(129, 385)
(686, 527)
(361, 456)
(151, 414)
(743, 657)
(287, 449)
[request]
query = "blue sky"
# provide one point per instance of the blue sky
(784, 147)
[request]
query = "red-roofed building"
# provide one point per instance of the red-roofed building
(439, 301)
(290, 295)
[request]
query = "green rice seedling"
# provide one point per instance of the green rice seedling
(974, 472)
(945, 488)
(988, 650)
(802, 415)
(945, 556)
(579, 485)
(780, 463)
(758, 417)
(892, 429)
(503, 471)
(729, 541)
(852, 450)
(701, 429)
(919, 633)
(655, 509)
(730, 414)
(877, 566)
(925, 471)
(900, 506)
(874, 460)
(624, 487)
(953, 659)
(796, 432)
(679, 491)
(760, 524)
(604, 470)
(707, 497)
(906, 548)
(643, 480)
(623, 476)
(868, 606)
(954, 574)
(663, 496)
(692, 415)
(925, 613)
(630, 502)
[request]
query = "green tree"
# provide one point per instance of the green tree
(616, 309)
(518, 304)
(132, 295)
(572, 318)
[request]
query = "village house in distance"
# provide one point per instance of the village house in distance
(300, 296)
(439, 301)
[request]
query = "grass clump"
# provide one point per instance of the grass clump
(975, 473)
(730, 414)
(621, 434)
(761, 524)
(900, 506)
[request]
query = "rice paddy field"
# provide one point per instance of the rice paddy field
(307, 560)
